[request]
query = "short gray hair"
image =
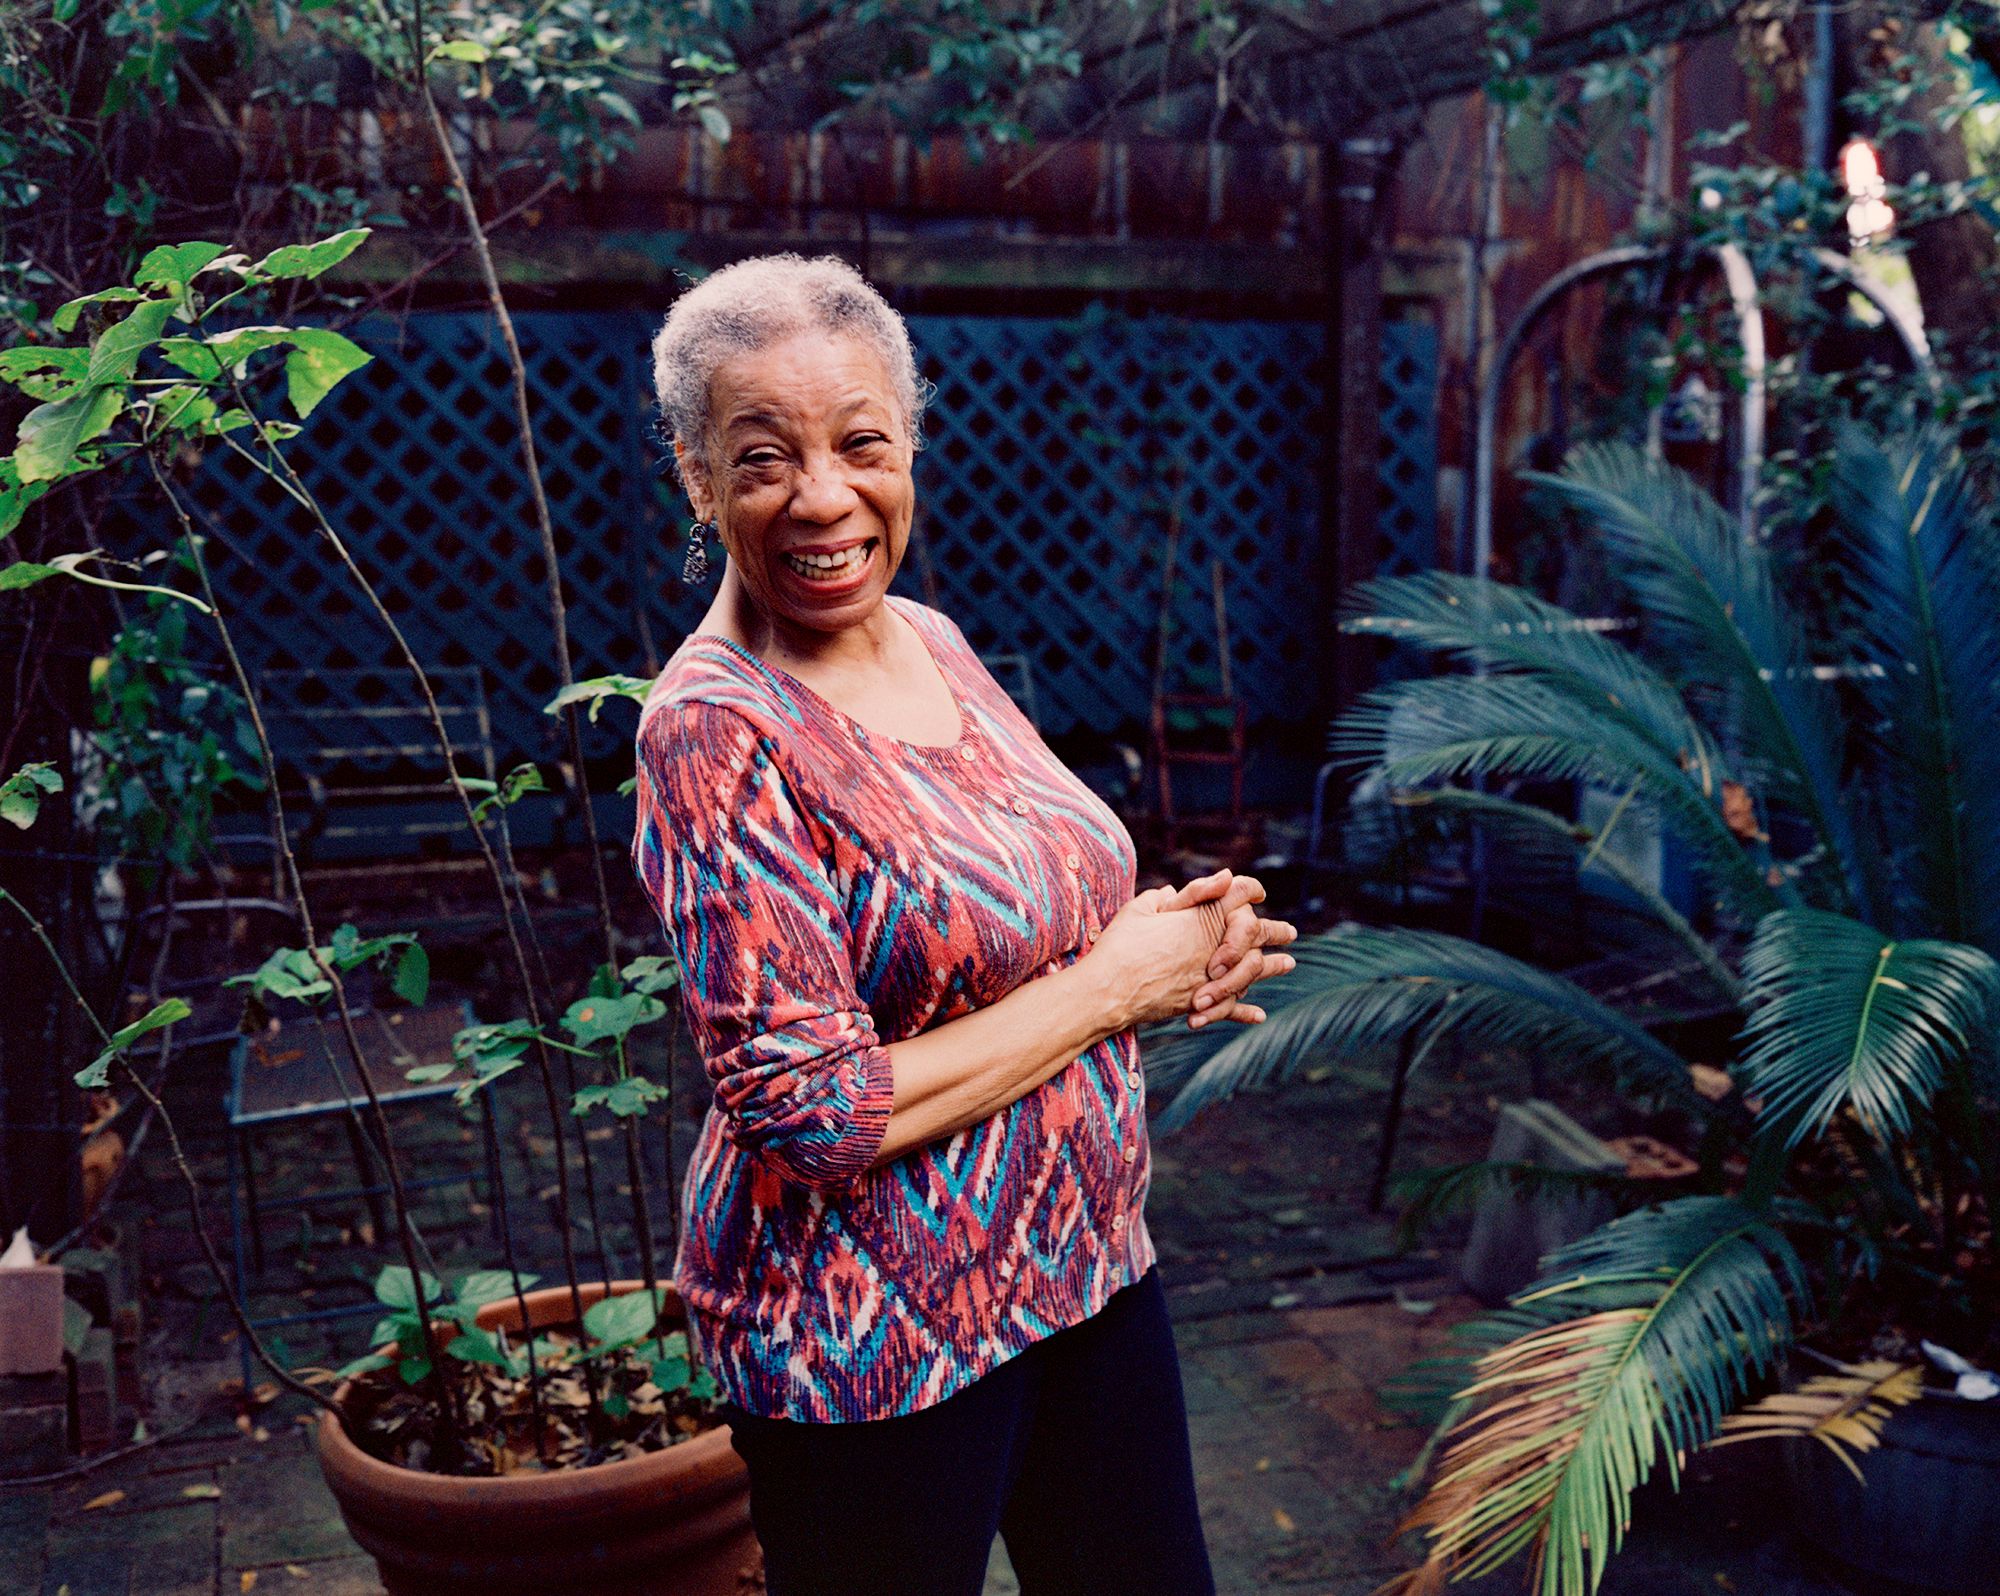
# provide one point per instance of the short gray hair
(753, 303)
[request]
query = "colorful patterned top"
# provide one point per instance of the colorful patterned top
(828, 890)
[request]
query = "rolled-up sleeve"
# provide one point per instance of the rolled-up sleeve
(760, 933)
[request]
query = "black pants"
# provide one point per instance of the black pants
(1074, 1451)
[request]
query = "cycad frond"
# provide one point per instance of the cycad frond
(1507, 629)
(1456, 726)
(1928, 599)
(1842, 1017)
(1844, 1412)
(1357, 987)
(1712, 598)
(1668, 1315)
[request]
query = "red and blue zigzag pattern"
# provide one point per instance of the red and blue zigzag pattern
(828, 890)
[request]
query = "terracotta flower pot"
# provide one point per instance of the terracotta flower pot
(670, 1523)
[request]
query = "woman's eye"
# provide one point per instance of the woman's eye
(865, 440)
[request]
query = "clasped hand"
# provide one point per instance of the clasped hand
(1198, 963)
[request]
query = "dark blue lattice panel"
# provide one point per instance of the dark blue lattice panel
(1056, 448)
(1056, 451)
(1406, 468)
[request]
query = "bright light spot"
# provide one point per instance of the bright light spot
(1711, 199)
(1869, 214)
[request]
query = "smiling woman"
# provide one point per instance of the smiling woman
(914, 1249)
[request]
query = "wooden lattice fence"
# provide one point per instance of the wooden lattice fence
(1057, 450)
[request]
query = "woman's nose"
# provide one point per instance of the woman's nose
(822, 492)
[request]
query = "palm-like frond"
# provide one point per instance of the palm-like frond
(1928, 600)
(1453, 726)
(1667, 1316)
(1845, 1412)
(1713, 599)
(1520, 821)
(1842, 1017)
(1356, 987)
(1504, 628)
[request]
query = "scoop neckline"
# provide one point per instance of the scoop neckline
(928, 750)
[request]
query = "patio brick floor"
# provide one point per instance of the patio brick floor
(1257, 1204)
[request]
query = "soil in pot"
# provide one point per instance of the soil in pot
(673, 1521)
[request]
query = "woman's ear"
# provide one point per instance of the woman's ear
(694, 477)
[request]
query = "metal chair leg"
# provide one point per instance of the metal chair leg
(1392, 1119)
(241, 1143)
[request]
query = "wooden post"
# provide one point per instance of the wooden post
(1352, 543)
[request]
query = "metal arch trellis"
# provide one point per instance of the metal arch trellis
(1044, 485)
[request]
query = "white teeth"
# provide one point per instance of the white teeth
(824, 565)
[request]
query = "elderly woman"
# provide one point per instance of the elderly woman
(914, 1249)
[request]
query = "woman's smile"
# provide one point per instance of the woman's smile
(834, 571)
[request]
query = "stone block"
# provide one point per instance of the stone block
(34, 1390)
(94, 1398)
(30, 1319)
(1511, 1235)
(34, 1440)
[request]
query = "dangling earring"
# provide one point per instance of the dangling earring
(695, 567)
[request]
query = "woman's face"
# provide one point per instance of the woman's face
(807, 477)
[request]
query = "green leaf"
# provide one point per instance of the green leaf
(232, 348)
(414, 1371)
(507, 791)
(478, 1346)
(286, 973)
(491, 1285)
(44, 371)
(1844, 1018)
(393, 1288)
(183, 407)
(1634, 1345)
(192, 356)
(428, 1074)
(617, 1404)
(52, 433)
(176, 265)
(652, 973)
(461, 50)
(597, 691)
(412, 980)
(609, 1019)
(115, 356)
(319, 360)
(21, 793)
(367, 1364)
(1360, 987)
(66, 316)
(161, 1015)
(25, 573)
(622, 1321)
(714, 122)
(309, 260)
(627, 1098)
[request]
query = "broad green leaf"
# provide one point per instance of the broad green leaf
(176, 265)
(319, 360)
(21, 793)
(309, 260)
(66, 316)
(52, 433)
(287, 973)
(115, 356)
(192, 356)
(617, 1404)
(479, 1045)
(97, 1071)
(626, 1098)
(412, 980)
(393, 1288)
(624, 1320)
(414, 1371)
(238, 345)
(427, 1074)
(478, 1346)
(461, 50)
(714, 122)
(183, 407)
(491, 1285)
(367, 1364)
(44, 371)
(15, 498)
(607, 1019)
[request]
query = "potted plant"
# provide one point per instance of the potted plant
(1836, 780)
(507, 1438)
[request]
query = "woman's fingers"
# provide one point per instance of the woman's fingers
(1246, 970)
(1244, 931)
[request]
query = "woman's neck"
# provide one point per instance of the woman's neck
(799, 650)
